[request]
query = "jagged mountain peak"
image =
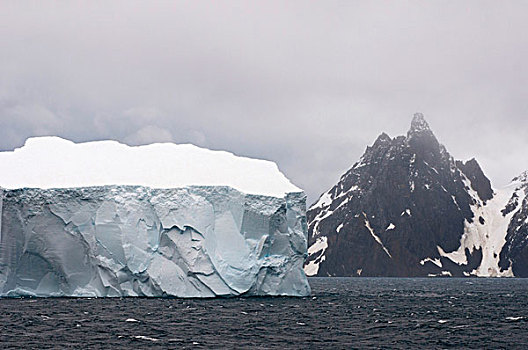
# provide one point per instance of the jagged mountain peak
(422, 140)
(382, 138)
(471, 161)
(479, 182)
(419, 124)
(523, 177)
(408, 208)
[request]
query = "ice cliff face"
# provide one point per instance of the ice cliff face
(113, 240)
(407, 208)
(137, 241)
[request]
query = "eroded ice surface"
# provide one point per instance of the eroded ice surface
(196, 241)
(53, 162)
(106, 219)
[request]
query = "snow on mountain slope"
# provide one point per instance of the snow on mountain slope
(514, 254)
(407, 208)
(488, 232)
(53, 162)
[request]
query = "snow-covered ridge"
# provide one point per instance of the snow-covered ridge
(53, 162)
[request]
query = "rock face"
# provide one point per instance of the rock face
(195, 241)
(407, 208)
(514, 254)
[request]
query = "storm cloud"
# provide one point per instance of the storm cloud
(308, 84)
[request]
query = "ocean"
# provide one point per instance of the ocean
(342, 313)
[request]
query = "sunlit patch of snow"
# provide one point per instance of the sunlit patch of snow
(490, 236)
(361, 163)
(406, 212)
(324, 201)
(323, 214)
(319, 247)
(455, 201)
(376, 238)
(430, 167)
(437, 262)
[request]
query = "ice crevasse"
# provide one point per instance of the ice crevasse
(106, 219)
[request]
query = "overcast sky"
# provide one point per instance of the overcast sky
(306, 84)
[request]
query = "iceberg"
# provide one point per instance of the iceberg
(103, 219)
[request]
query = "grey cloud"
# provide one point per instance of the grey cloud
(149, 134)
(306, 84)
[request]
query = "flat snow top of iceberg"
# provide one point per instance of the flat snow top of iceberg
(53, 162)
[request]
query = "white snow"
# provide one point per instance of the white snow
(390, 227)
(352, 189)
(345, 201)
(360, 164)
(437, 262)
(490, 236)
(327, 198)
(406, 211)
(324, 201)
(433, 169)
(376, 238)
(323, 214)
(457, 256)
(317, 220)
(320, 246)
(455, 201)
(338, 229)
(53, 162)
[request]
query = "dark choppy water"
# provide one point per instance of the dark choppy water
(342, 313)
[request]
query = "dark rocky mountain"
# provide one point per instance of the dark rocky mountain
(515, 251)
(407, 208)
